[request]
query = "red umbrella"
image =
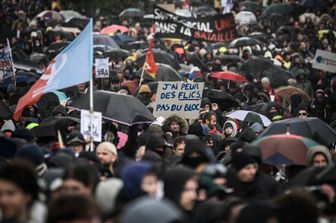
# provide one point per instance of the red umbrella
(110, 30)
(228, 75)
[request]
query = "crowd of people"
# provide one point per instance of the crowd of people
(173, 170)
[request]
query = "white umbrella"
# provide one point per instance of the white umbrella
(249, 116)
(68, 14)
(245, 17)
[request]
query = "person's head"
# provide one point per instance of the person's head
(303, 113)
(156, 143)
(174, 126)
(74, 208)
(318, 156)
(81, 88)
(180, 186)
(79, 177)
(33, 154)
(230, 128)
(319, 95)
(138, 178)
(76, 142)
(107, 153)
(245, 166)
(210, 119)
(179, 145)
(265, 83)
(18, 189)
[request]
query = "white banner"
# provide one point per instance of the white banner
(180, 98)
(325, 60)
(102, 67)
(95, 124)
(6, 63)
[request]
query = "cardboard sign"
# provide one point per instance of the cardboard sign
(325, 60)
(94, 123)
(180, 98)
(6, 63)
(102, 67)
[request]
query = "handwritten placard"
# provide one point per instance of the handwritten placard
(180, 98)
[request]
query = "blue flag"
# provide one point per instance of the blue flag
(70, 67)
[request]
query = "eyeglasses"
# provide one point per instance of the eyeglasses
(302, 113)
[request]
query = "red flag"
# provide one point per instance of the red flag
(150, 66)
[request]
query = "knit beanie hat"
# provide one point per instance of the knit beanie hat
(241, 159)
(108, 147)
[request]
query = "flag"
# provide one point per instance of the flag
(6, 63)
(70, 67)
(150, 65)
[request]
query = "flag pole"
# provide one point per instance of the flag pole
(91, 93)
(10, 54)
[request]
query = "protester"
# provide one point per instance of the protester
(168, 155)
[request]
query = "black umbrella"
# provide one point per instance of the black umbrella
(132, 13)
(224, 100)
(250, 6)
(279, 8)
(254, 67)
(124, 109)
(28, 66)
(160, 57)
(136, 45)
(47, 126)
(231, 59)
(277, 76)
(243, 41)
(164, 73)
(258, 35)
(104, 42)
(314, 4)
(5, 113)
(55, 48)
(117, 53)
(205, 11)
(76, 22)
(38, 58)
(313, 128)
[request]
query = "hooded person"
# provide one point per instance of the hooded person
(8, 128)
(175, 125)
(319, 156)
(247, 135)
(139, 178)
(230, 128)
(244, 175)
(180, 187)
(106, 194)
(196, 154)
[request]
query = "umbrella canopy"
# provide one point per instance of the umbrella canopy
(228, 75)
(284, 149)
(251, 6)
(124, 109)
(104, 42)
(245, 17)
(277, 76)
(204, 11)
(110, 30)
(47, 126)
(136, 45)
(77, 22)
(249, 116)
(22, 77)
(314, 4)
(50, 15)
(5, 113)
(122, 38)
(55, 48)
(164, 73)
(68, 14)
(287, 91)
(160, 57)
(132, 13)
(183, 12)
(258, 35)
(278, 8)
(117, 53)
(243, 41)
(255, 66)
(313, 128)
(224, 100)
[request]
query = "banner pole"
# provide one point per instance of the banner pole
(10, 54)
(91, 94)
